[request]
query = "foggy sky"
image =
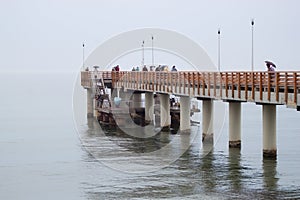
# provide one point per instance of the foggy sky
(47, 35)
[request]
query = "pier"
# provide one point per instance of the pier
(267, 89)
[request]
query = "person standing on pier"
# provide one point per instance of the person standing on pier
(271, 69)
(174, 69)
(271, 66)
(145, 68)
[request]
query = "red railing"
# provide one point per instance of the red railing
(256, 86)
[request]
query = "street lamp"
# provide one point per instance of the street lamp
(143, 54)
(252, 55)
(219, 52)
(152, 51)
(83, 56)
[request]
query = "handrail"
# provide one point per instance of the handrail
(235, 85)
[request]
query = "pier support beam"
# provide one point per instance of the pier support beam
(149, 108)
(165, 111)
(185, 111)
(269, 131)
(207, 120)
(90, 103)
(235, 124)
(137, 100)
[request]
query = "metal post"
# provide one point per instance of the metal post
(83, 56)
(252, 56)
(143, 55)
(219, 52)
(152, 52)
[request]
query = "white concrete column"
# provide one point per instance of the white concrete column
(269, 131)
(137, 100)
(165, 110)
(185, 111)
(149, 106)
(90, 103)
(235, 124)
(207, 120)
(94, 108)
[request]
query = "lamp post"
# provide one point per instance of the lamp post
(152, 51)
(219, 52)
(252, 55)
(143, 55)
(83, 56)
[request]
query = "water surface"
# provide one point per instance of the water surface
(44, 156)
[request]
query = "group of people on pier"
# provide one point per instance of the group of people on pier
(160, 68)
(270, 67)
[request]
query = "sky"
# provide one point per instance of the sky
(47, 35)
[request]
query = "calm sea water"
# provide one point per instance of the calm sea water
(44, 154)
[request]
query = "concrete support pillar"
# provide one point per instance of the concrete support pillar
(165, 111)
(207, 120)
(90, 103)
(94, 107)
(235, 124)
(269, 131)
(185, 111)
(137, 100)
(149, 106)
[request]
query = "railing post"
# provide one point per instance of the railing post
(226, 84)
(246, 86)
(260, 86)
(194, 83)
(295, 88)
(198, 82)
(277, 85)
(269, 85)
(233, 74)
(203, 83)
(286, 88)
(184, 82)
(221, 84)
(208, 84)
(253, 86)
(239, 85)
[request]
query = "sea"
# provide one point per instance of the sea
(50, 150)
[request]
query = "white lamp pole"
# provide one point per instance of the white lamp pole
(143, 55)
(219, 52)
(152, 52)
(252, 56)
(83, 56)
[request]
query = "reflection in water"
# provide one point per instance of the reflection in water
(137, 144)
(207, 167)
(234, 169)
(269, 173)
(201, 172)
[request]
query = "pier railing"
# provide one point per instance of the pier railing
(281, 87)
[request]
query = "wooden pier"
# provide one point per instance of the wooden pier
(263, 88)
